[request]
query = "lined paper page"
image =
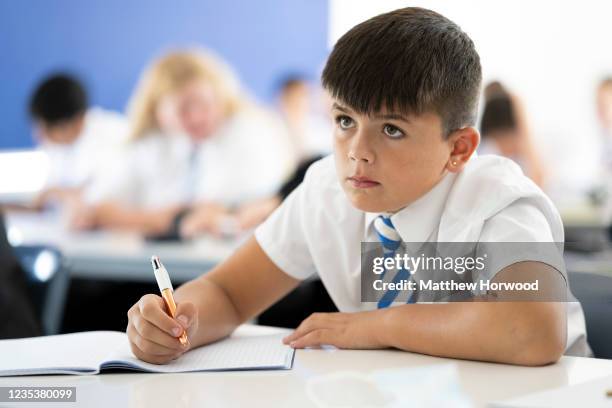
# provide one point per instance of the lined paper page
(75, 353)
(234, 353)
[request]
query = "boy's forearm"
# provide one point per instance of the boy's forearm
(217, 316)
(527, 333)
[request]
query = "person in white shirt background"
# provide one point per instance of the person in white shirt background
(505, 131)
(198, 148)
(77, 138)
(601, 192)
(604, 116)
(303, 108)
(604, 113)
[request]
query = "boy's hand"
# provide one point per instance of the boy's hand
(153, 334)
(342, 330)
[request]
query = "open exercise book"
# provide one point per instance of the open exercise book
(92, 352)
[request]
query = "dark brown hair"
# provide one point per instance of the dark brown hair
(413, 60)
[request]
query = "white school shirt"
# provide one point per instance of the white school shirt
(78, 164)
(244, 160)
(317, 230)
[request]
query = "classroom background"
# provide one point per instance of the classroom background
(548, 60)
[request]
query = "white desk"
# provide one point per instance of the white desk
(117, 255)
(483, 383)
(125, 256)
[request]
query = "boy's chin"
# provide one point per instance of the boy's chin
(368, 203)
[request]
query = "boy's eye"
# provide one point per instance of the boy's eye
(393, 131)
(345, 122)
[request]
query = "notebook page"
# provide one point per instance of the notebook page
(74, 353)
(234, 353)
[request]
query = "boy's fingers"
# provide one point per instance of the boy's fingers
(294, 335)
(149, 358)
(150, 332)
(152, 308)
(186, 314)
(147, 346)
(314, 338)
(313, 322)
(301, 330)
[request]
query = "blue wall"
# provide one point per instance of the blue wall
(107, 43)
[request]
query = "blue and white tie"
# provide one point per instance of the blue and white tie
(391, 241)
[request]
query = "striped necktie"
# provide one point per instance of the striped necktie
(391, 241)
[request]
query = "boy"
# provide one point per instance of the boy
(76, 138)
(405, 86)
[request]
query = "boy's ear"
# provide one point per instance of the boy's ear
(463, 143)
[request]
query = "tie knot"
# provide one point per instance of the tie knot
(387, 234)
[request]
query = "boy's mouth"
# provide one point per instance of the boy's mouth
(362, 182)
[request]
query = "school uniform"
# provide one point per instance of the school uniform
(318, 231)
(489, 147)
(78, 164)
(243, 160)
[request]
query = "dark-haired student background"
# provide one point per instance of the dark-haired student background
(77, 137)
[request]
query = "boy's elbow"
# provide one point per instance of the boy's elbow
(541, 342)
(540, 352)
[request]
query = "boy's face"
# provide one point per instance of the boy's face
(386, 161)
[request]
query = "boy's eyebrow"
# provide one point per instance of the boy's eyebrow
(340, 108)
(387, 116)
(393, 116)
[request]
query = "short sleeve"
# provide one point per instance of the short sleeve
(283, 235)
(520, 232)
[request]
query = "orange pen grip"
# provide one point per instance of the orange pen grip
(171, 306)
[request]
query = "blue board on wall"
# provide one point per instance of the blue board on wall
(108, 43)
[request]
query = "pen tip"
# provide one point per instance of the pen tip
(155, 261)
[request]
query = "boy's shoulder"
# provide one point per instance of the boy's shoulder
(324, 168)
(495, 179)
(492, 187)
(323, 194)
(321, 177)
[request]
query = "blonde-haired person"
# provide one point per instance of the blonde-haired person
(196, 142)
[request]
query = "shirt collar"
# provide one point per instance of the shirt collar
(416, 221)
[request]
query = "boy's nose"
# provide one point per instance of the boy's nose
(360, 150)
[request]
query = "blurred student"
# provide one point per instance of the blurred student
(195, 142)
(309, 128)
(77, 137)
(253, 213)
(302, 110)
(601, 192)
(505, 131)
(604, 114)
